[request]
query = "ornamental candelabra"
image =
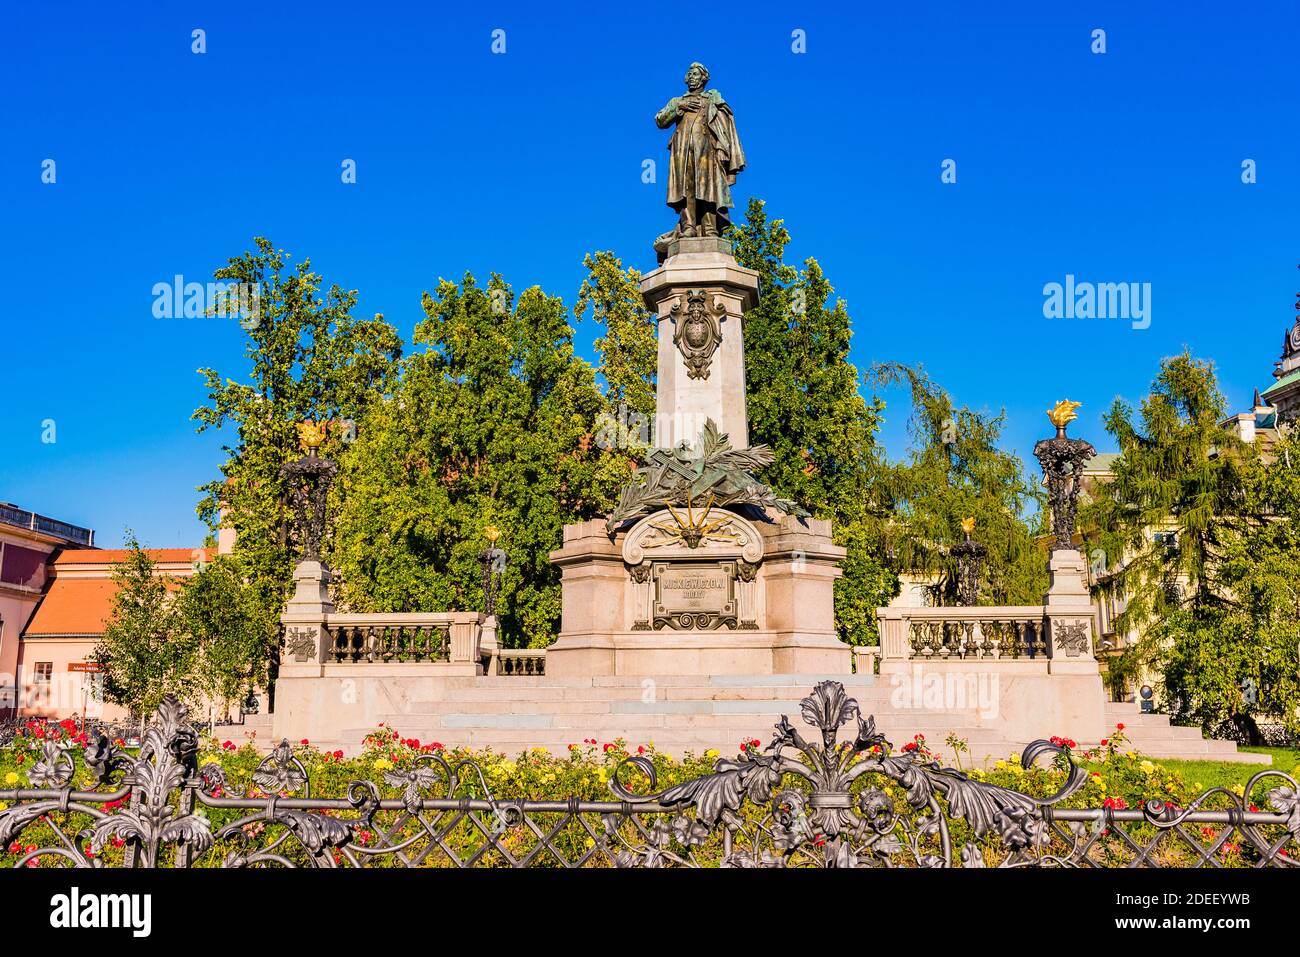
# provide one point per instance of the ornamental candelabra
(1063, 459)
(970, 556)
(310, 478)
(493, 561)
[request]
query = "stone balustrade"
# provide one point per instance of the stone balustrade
(523, 663)
(396, 638)
(992, 632)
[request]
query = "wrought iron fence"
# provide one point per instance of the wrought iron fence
(798, 802)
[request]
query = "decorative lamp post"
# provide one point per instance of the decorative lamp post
(493, 560)
(310, 478)
(970, 556)
(1063, 459)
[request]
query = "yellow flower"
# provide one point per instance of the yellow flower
(711, 753)
(11, 778)
(1238, 790)
(383, 764)
(1147, 767)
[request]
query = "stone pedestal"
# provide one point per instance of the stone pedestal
(700, 295)
(758, 599)
(1069, 614)
(306, 640)
(1076, 697)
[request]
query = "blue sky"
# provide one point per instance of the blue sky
(1122, 167)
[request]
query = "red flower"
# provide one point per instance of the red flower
(910, 746)
(1119, 727)
(304, 741)
(640, 749)
(609, 747)
(228, 745)
(15, 848)
(1104, 742)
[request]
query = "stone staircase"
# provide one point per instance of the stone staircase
(677, 714)
(692, 714)
(253, 727)
(1154, 736)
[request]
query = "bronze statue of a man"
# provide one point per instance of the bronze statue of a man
(704, 156)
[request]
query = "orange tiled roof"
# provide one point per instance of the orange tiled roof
(115, 556)
(74, 606)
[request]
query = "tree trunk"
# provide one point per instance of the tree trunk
(1248, 730)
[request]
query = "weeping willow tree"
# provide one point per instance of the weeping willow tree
(956, 470)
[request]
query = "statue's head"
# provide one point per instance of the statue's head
(697, 77)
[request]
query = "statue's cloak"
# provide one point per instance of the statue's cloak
(704, 153)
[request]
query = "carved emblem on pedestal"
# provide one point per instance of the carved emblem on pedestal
(697, 330)
(300, 643)
(1072, 638)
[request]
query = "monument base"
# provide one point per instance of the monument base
(723, 653)
(758, 600)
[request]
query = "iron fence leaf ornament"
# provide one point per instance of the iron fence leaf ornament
(55, 768)
(828, 803)
(104, 759)
(1287, 801)
(282, 772)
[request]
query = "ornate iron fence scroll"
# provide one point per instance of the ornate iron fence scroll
(798, 802)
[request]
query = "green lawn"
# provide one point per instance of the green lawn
(1203, 775)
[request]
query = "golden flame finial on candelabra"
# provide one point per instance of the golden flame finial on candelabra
(968, 525)
(1062, 414)
(492, 533)
(311, 434)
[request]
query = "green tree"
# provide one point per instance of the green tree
(309, 358)
(628, 347)
(956, 470)
(216, 611)
(492, 424)
(1197, 536)
(144, 654)
(804, 399)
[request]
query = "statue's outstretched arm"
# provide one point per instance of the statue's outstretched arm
(669, 114)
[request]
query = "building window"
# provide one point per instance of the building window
(44, 671)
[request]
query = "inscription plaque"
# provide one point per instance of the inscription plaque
(694, 595)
